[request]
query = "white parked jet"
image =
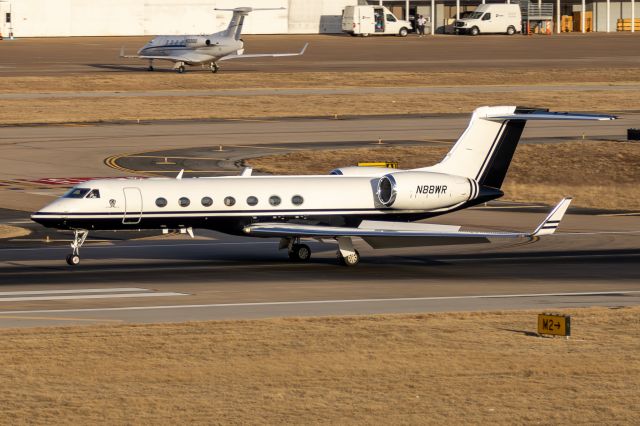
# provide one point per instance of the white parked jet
(376, 204)
(204, 49)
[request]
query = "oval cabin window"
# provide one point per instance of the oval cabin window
(297, 200)
(229, 201)
(274, 200)
(207, 201)
(161, 202)
(184, 202)
(252, 201)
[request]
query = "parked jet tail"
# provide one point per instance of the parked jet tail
(485, 149)
(237, 20)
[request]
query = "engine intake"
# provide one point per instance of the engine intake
(422, 190)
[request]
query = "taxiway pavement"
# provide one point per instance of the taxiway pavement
(592, 261)
(73, 55)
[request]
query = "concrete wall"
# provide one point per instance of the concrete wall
(42, 18)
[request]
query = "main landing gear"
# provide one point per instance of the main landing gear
(150, 68)
(297, 252)
(347, 255)
(214, 67)
(179, 67)
(79, 235)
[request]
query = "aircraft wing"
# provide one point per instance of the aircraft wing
(401, 234)
(264, 55)
(187, 57)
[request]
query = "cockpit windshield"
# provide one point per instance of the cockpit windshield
(77, 193)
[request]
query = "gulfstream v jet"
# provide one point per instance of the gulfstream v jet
(204, 49)
(376, 204)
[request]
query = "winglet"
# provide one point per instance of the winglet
(304, 48)
(122, 52)
(551, 223)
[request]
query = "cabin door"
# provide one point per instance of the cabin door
(132, 206)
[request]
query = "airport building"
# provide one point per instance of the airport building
(46, 18)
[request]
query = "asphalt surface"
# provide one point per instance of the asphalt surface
(66, 56)
(592, 261)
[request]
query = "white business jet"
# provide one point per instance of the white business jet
(375, 204)
(204, 49)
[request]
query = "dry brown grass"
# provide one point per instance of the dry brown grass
(20, 111)
(52, 110)
(457, 368)
(227, 80)
(8, 231)
(598, 174)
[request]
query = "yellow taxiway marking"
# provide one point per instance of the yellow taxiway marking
(185, 171)
(171, 157)
(58, 318)
(264, 147)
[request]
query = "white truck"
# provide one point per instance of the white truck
(491, 18)
(373, 20)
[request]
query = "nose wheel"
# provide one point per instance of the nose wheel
(79, 236)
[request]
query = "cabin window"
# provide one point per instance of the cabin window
(184, 202)
(161, 202)
(94, 194)
(252, 201)
(77, 193)
(207, 201)
(297, 200)
(274, 200)
(229, 201)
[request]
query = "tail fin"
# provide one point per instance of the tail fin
(485, 149)
(234, 29)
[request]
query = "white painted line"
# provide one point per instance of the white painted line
(89, 296)
(138, 246)
(73, 291)
(319, 302)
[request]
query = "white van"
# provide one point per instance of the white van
(373, 20)
(491, 18)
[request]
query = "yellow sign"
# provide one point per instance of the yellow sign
(387, 164)
(556, 324)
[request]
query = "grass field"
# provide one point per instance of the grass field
(109, 108)
(598, 174)
(455, 368)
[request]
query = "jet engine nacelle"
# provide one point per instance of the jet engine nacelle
(361, 171)
(422, 190)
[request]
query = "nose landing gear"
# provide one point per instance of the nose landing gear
(79, 236)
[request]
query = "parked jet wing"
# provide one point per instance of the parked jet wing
(187, 57)
(264, 55)
(400, 234)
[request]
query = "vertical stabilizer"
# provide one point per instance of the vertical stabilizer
(485, 149)
(234, 30)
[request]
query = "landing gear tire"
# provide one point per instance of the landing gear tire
(180, 69)
(350, 260)
(150, 68)
(73, 259)
(214, 68)
(300, 253)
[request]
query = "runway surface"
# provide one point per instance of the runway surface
(65, 56)
(593, 261)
